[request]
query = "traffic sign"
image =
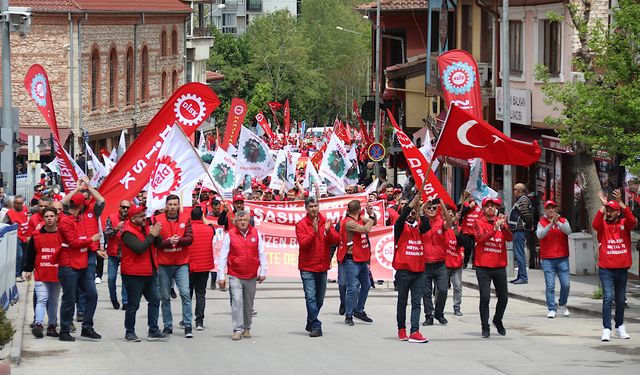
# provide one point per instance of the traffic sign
(376, 151)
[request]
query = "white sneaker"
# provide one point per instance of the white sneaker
(564, 310)
(551, 314)
(621, 332)
(98, 280)
(606, 334)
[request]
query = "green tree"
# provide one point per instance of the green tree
(603, 111)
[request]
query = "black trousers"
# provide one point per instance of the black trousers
(409, 281)
(499, 278)
(435, 274)
(469, 244)
(198, 283)
(99, 267)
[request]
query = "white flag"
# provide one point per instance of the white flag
(279, 174)
(53, 166)
(353, 172)
(427, 151)
(335, 164)
(223, 173)
(253, 155)
(113, 155)
(202, 145)
(108, 163)
(122, 145)
(476, 187)
(177, 168)
(292, 168)
(311, 176)
(99, 171)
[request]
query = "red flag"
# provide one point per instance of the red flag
(36, 83)
(363, 127)
(316, 159)
(341, 132)
(237, 111)
(274, 106)
(460, 80)
(465, 136)
(189, 106)
(287, 118)
(265, 125)
(420, 167)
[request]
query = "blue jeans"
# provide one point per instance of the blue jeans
(112, 274)
(315, 286)
(519, 237)
(91, 269)
(19, 251)
(614, 285)
(70, 280)
(357, 277)
(342, 282)
(47, 294)
(166, 274)
(551, 268)
(139, 286)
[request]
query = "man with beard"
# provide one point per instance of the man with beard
(113, 232)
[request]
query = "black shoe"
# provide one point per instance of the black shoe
(33, 324)
(442, 320)
(131, 337)
(37, 331)
(316, 333)
(212, 286)
(457, 313)
(79, 317)
(199, 326)
(499, 327)
(167, 331)
(348, 320)
(66, 336)
(514, 280)
(115, 304)
(187, 332)
(157, 336)
(51, 331)
(124, 306)
(428, 321)
(90, 333)
(520, 281)
(341, 309)
(308, 327)
(362, 316)
(485, 333)
(181, 324)
(173, 294)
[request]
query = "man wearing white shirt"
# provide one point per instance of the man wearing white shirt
(243, 255)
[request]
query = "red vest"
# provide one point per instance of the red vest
(454, 253)
(555, 244)
(469, 220)
(91, 222)
(47, 245)
(433, 242)
(75, 257)
(114, 242)
(22, 219)
(135, 264)
(201, 249)
(34, 223)
(392, 216)
(243, 261)
(615, 240)
(172, 256)
(493, 252)
(409, 252)
(360, 243)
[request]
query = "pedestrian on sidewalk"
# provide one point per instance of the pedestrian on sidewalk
(520, 224)
(200, 262)
(315, 235)
(139, 273)
(553, 232)
(242, 254)
(19, 215)
(408, 261)
(490, 259)
(613, 224)
(454, 260)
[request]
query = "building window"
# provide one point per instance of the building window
(163, 43)
(515, 47)
(144, 75)
(254, 5)
(174, 81)
(174, 41)
(551, 37)
(113, 78)
(129, 77)
(95, 79)
(163, 88)
(467, 28)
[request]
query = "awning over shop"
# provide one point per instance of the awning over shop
(44, 133)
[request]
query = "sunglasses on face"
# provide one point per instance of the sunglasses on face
(432, 208)
(125, 207)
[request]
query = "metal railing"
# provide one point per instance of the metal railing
(8, 248)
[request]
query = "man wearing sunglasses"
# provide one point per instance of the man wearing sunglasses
(113, 233)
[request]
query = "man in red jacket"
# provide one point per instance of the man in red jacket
(113, 233)
(139, 273)
(613, 223)
(242, 254)
(19, 215)
(490, 260)
(36, 220)
(200, 262)
(553, 232)
(315, 235)
(470, 212)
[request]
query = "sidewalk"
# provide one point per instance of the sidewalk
(580, 296)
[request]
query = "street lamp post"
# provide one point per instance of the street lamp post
(378, 125)
(7, 118)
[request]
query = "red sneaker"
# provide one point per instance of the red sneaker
(402, 335)
(417, 337)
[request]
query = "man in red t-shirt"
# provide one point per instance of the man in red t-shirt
(19, 215)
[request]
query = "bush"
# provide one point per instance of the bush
(6, 329)
(598, 293)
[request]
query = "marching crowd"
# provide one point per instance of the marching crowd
(61, 240)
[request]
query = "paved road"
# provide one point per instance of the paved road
(533, 345)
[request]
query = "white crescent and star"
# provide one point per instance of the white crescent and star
(462, 134)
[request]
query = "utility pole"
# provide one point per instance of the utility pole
(506, 99)
(378, 125)
(8, 130)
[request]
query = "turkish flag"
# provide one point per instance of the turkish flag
(466, 136)
(274, 106)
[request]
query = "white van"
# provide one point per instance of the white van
(316, 131)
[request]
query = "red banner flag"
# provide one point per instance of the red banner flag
(274, 106)
(36, 83)
(189, 106)
(460, 80)
(237, 111)
(287, 118)
(265, 125)
(420, 167)
(363, 127)
(466, 136)
(341, 132)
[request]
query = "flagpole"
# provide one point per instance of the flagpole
(200, 161)
(446, 120)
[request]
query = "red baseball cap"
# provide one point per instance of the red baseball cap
(487, 200)
(78, 199)
(238, 198)
(550, 203)
(134, 210)
(383, 196)
(613, 205)
(268, 191)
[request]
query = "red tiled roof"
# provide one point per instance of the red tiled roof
(390, 5)
(128, 6)
(214, 76)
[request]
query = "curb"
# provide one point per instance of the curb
(16, 343)
(539, 301)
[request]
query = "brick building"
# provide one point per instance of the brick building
(111, 64)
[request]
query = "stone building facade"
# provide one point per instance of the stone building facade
(109, 68)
